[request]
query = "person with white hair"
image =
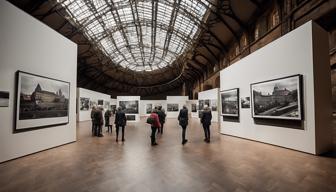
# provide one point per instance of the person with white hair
(183, 121)
(206, 122)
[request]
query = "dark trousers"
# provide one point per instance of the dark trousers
(97, 130)
(122, 131)
(184, 129)
(207, 131)
(109, 128)
(153, 135)
(93, 128)
(160, 130)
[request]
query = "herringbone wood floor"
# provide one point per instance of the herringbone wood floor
(226, 164)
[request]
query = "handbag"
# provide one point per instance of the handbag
(150, 120)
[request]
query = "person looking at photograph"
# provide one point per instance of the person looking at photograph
(93, 110)
(108, 124)
(162, 117)
(155, 125)
(99, 121)
(206, 122)
(183, 121)
(120, 121)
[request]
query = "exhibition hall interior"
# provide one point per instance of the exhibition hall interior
(167, 95)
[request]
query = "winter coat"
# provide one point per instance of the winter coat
(156, 122)
(206, 117)
(120, 118)
(183, 117)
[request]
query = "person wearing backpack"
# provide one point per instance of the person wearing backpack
(120, 121)
(183, 121)
(154, 121)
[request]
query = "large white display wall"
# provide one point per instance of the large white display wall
(212, 96)
(179, 101)
(303, 51)
(130, 101)
(31, 46)
(152, 103)
(84, 114)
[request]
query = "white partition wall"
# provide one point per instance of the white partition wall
(143, 105)
(213, 96)
(93, 96)
(179, 100)
(303, 51)
(31, 46)
(130, 98)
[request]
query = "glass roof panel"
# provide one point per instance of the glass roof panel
(138, 35)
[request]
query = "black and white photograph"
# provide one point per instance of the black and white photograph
(130, 107)
(200, 114)
(200, 105)
(130, 117)
(93, 103)
(230, 102)
(84, 104)
(113, 108)
(100, 102)
(172, 107)
(277, 99)
(4, 99)
(213, 105)
(245, 102)
(107, 105)
(149, 108)
(41, 102)
(207, 102)
(193, 107)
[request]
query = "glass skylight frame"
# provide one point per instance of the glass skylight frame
(138, 35)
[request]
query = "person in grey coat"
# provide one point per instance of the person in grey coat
(206, 122)
(183, 121)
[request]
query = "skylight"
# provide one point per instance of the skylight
(138, 35)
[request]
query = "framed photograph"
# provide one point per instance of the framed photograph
(149, 108)
(93, 103)
(278, 98)
(40, 102)
(245, 102)
(193, 107)
(100, 102)
(107, 105)
(130, 107)
(4, 99)
(84, 104)
(172, 107)
(130, 117)
(113, 108)
(213, 105)
(200, 105)
(207, 102)
(230, 102)
(200, 114)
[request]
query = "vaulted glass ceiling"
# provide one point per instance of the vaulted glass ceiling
(138, 35)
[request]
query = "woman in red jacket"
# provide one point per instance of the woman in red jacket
(155, 125)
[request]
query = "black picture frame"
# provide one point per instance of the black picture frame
(130, 117)
(236, 102)
(36, 122)
(283, 109)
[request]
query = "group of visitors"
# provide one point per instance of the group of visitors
(156, 119)
(97, 121)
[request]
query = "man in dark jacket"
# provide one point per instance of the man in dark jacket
(120, 121)
(183, 121)
(98, 121)
(162, 117)
(93, 110)
(206, 122)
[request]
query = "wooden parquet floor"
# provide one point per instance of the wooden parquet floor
(226, 164)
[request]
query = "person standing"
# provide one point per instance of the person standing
(99, 121)
(155, 125)
(93, 110)
(162, 117)
(206, 122)
(183, 121)
(107, 116)
(120, 121)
